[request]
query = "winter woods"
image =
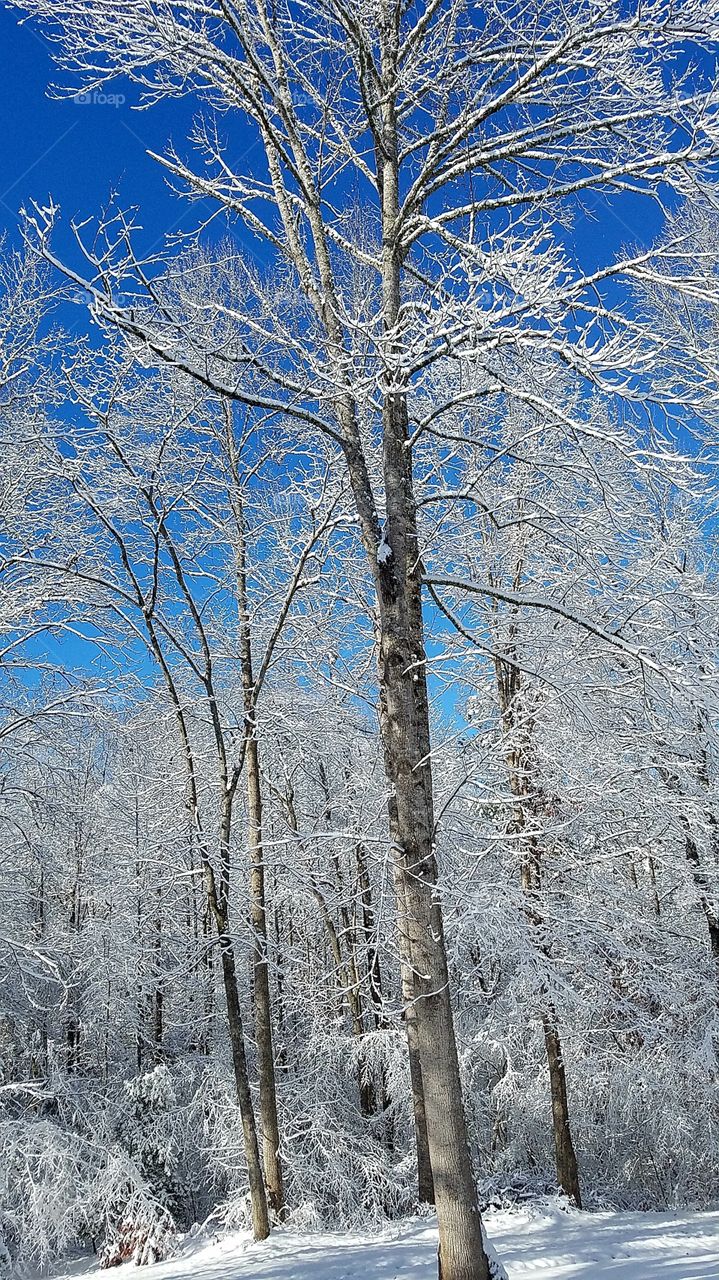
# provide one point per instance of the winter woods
(359, 600)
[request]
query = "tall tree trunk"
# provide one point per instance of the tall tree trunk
(263, 1004)
(218, 906)
(368, 1098)
(261, 977)
(425, 1181)
(565, 1155)
(566, 1160)
(39, 1059)
(157, 999)
(509, 682)
(374, 983)
(72, 1027)
(208, 983)
(404, 721)
(258, 1199)
(691, 849)
(703, 888)
(405, 730)
(374, 970)
(218, 902)
(280, 961)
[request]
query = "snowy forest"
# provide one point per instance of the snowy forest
(359, 661)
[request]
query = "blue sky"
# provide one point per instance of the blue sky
(78, 152)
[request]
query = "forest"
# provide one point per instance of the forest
(359, 601)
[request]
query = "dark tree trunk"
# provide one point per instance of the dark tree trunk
(703, 889)
(425, 1181)
(72, 1025)
(527, 801)
(565, 1156)
(374, 976)
(157, 999)
(261, 978)
(566, 1160)
(263, 1004)
(260, 1217)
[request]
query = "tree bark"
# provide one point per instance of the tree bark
(217, 905)
(425, 1181)
(258, 1199)
(405, 731)
(374, 979)
(157, 998)
(39, 1061)
(508, 689)
(374, 970)
(566, 1160)
(565, 1155)
(404, 722)
(261, 978)
(263, 1004)
(72, 1026)
(702, 886)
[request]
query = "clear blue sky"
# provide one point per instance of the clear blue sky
(79, 152)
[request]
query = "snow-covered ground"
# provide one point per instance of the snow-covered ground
(543, 1246)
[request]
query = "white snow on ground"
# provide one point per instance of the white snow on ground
(532, 1246)
(607, 1246)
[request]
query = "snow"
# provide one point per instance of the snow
(608, 1246)
(547, 1245)
(384, 552)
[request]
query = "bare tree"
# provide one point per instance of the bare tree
(153, 578)
(417, 162)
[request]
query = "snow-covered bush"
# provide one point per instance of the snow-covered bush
(46, 1180)
(146, 1131)
(90, 1174)
(5, 1259)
